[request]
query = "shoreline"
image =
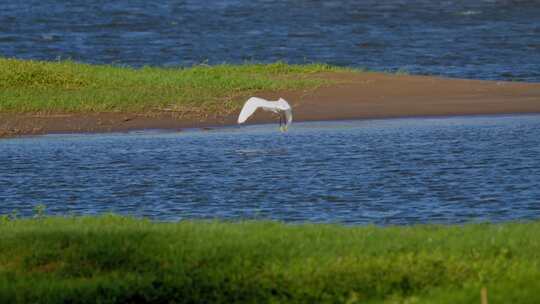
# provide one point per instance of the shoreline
(181, 126)
(347, 96)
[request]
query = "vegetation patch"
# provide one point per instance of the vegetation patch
(66, 86)
(113, 259)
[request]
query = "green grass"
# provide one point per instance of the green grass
(112, 259)
(66, 86)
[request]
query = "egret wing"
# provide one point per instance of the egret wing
(250, 107)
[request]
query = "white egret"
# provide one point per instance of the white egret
(280, 107)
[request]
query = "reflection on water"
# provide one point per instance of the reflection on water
(396, 171)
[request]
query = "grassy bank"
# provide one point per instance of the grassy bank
(66, 86)
(115, 259)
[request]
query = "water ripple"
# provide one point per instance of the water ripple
(398, 171)
(471, 39)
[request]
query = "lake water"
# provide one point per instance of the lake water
(393, 171)
(483, 39)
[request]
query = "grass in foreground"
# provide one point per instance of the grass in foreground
(66, 86)
(111, 259)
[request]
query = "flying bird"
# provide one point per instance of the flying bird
(280, 107)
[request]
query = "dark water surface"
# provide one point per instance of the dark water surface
(397, 171)
(485, 39)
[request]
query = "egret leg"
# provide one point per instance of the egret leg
(282, 122)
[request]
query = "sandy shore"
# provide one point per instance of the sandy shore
(356, 96)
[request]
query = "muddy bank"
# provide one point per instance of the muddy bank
(35, 124)
(354, 96)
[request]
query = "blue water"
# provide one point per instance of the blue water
(394, 171)
(484, 39)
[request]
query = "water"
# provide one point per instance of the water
(394, 171)
(484, 39)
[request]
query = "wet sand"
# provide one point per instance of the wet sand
(354, 96)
